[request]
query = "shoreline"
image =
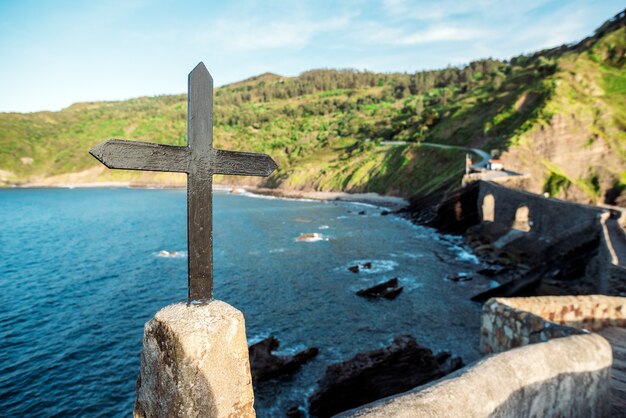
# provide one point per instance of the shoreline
(389, 202)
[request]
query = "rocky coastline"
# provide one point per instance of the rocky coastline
(524, 263)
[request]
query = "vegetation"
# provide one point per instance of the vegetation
(325, 128)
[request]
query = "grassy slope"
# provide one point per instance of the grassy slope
(327, 136)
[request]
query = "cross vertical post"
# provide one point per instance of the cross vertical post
(200, 184)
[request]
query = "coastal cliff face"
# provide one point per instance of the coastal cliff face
(558, 114)
(578, 150)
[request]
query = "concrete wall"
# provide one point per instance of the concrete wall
(566, 377)
(513, 322)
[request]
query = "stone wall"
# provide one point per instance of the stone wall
(552, 220)
(541, 228)
(513, 322)
(565, 377)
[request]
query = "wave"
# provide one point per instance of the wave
(171, 254)
(377, 266)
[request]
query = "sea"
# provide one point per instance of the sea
(82, 271)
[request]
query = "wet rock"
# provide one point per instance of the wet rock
(385, 213)
(493, 271)
(387, 290)
(266, 365)
(483, 248)
(372, 375)
(522, 286)
(354, 269)
(367, 265)
(362, 212)
(449, 211)
(295, 412)
(459, 277)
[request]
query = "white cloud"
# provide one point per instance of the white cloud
(440, 33)
(386, 35)
(447, 9)
(255, 34)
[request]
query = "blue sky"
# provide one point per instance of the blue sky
(55, 53)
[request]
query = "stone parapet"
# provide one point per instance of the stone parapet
(513, 322)
(195, 363)
(566, 377)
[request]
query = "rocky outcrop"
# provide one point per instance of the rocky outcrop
(387, 290)
(376, 374)
(356, 268)
(264, 364)
(449, 210)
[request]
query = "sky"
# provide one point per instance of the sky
(55, 53)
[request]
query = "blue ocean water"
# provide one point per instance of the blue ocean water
(80, 274)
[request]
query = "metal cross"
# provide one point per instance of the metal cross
(200, 161)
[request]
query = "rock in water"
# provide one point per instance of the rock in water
(295, 412)
(459, 277)
(354, 269)
(310, 237)
(376, 374)
(265, 365)
(387, 290)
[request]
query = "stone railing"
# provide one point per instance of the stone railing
(513, 322)
(565, 377)
(567, 374)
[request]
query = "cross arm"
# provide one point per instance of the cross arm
(132, 155)
(242, 163)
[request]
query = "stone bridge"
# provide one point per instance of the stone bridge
(549, 227)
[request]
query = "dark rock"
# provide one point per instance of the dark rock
(384, 213)
(493, 271)
(516, 287)
(367, 265)
(559, 270)
(362, 212)
(354, 269)
(376, 374)
(459, 277)
(387, 290)
(451, 212)
(266, 365)
(295, 412)
(391, 294)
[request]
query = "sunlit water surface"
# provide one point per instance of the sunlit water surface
(80, 274)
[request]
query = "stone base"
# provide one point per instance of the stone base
(194, 363)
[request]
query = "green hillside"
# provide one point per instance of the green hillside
(325, 127)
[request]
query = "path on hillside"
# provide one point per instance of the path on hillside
(478, 166)
(618, 240)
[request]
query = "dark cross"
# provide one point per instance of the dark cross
(200, 161)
